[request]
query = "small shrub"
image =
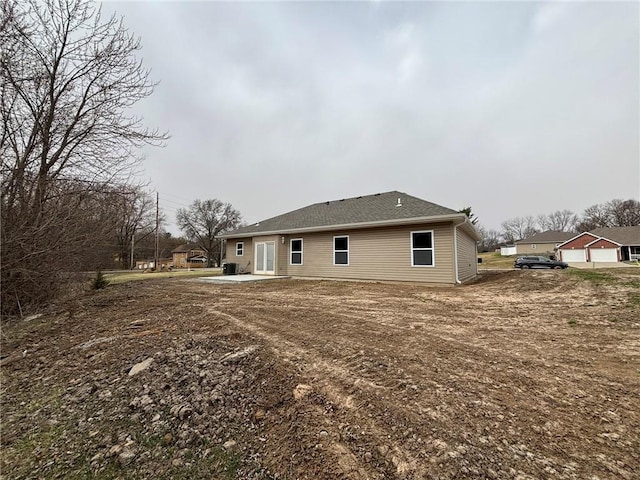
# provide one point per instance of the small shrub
(100, 281)
(572, 322)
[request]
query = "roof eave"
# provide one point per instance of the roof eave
(468, 226)
(605, 239)
(529, 242)
(351, 226)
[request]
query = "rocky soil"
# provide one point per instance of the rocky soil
(521, 375)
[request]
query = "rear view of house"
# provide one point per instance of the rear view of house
(386, 236)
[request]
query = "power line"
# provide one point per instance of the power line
(175, 203)
(169, 209)
(176, 197)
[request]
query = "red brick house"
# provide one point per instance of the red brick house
(613, 244)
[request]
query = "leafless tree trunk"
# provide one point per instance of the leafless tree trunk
(490, 239)
(614, 213)
(560, 221)
(135, 221)
(68, 78)
(624, 213)
(518, 228)
(204, 220)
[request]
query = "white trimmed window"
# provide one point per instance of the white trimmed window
(341, 250)
(296, 251)
(239, 249)
(422, 249)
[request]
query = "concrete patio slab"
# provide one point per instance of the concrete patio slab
(240, 278)
(584, 265)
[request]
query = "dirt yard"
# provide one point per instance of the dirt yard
(521, 375)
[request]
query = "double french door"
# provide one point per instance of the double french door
(265, 258)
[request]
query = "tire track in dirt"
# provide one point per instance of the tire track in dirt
(330, 380)
(338, 338)
(349, 391)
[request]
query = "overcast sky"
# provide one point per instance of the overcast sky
(510, 108)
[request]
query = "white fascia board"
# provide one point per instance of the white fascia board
(578, 236)
(601, 238)
(353, 226)
(470, 229)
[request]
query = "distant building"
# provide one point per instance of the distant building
(189, 256)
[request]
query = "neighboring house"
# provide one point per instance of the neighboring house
(542, 243)
(386, 236)
(146, 264)
(613, 244)
(628, 238)
(189, 256)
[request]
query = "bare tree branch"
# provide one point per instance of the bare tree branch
(204, 220)
(69, 142)
(559, 221)
(518, 228)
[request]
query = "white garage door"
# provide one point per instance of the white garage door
(578, 255)
(604, 254)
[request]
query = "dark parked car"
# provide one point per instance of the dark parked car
(537, 262)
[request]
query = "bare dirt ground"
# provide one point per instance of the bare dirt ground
(524, 375)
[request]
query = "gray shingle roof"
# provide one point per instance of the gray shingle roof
(550, 236)
(621, 235)
(380, 207)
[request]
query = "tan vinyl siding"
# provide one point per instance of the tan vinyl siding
(535, 248)
(374, 254)
(246, 260)
(282, 255)
(467, 256)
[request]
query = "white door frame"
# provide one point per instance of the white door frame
(263, 269)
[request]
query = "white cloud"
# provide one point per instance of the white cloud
(405, 48)
(273, 106)
(549, 14)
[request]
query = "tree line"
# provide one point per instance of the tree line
(70, 151)
(614, 213)
(69, 144)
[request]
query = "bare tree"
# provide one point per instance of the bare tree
(136, 220)
(204, 220)
(615, 213)
(168, 243)
(68, 78)
(518, 228)
(596, 216)
(624, 213)
(490, 239)
(72, 233)
(559, 221)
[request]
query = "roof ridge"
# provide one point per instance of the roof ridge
(358, 197)
(361, 209)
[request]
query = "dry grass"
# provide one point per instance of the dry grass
(493, 260)
(124, 277)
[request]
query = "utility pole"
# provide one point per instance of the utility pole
(157, 229)
(132, 244)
